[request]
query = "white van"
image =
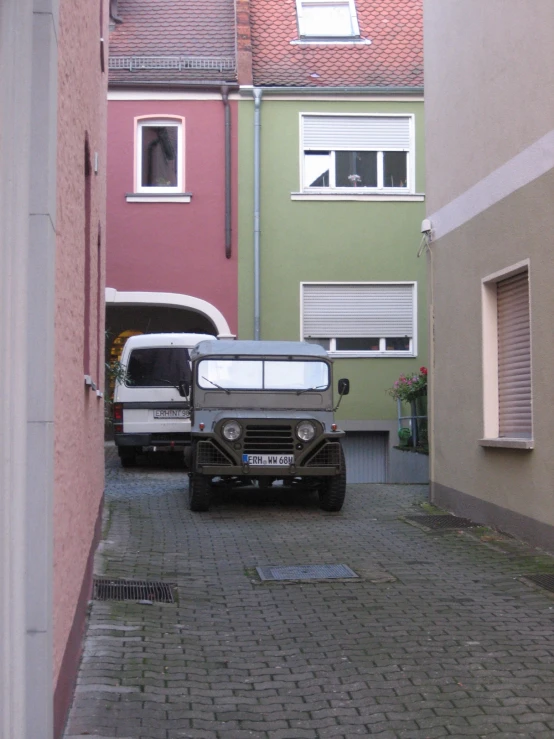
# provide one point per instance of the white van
(151, 408)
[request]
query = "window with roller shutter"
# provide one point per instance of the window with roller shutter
(358, 318)
(507, 386)
(514, 357)
(357, 153)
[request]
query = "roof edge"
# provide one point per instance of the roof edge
(249, 90)
(176, 84)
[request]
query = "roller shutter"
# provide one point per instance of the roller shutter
(356, 133)
(358, 311)
(514, 357)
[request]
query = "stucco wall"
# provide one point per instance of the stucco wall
(326, 241)
(488, 87)
(79, 468)
(517, 228)
(174, 247)
(488, 98)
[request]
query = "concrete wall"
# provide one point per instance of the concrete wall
(327, 241)
(174, 247)
(489, 112)
(78, 410)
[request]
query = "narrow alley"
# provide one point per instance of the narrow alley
(438, 636)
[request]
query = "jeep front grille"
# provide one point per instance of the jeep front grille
(207, 453)
(327, 455)
(274, 438)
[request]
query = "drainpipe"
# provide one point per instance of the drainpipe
(225, 97)
(257, 137)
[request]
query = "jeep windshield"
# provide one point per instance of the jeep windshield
(263, 374)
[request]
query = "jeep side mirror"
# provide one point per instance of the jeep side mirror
(184, 388)
(344, 386)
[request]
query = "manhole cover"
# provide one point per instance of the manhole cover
(543, 581)
(306, 572)
(442, 522)
(135, 590)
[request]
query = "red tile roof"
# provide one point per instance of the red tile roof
(393, 59)
(195, 38)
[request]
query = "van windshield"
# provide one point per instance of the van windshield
(263, 374)
(158, 367)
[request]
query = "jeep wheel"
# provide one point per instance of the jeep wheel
(332, 490)
(200, 492)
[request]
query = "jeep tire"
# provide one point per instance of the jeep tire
(200, 492)
(332, 490)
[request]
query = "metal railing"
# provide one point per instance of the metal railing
(134, 63)
(410, 422)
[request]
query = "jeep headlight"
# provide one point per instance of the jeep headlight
(231, 430)
(305, 431)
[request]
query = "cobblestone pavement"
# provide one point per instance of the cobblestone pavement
(439, 637)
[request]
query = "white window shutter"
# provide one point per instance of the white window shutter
(357, 310)
(356, 133)
(514, 357)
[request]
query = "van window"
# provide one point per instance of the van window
(158, 367)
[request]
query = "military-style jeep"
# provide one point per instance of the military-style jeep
(262, 411)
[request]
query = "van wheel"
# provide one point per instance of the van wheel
(200, 492)
(332, 490)
(128, 456)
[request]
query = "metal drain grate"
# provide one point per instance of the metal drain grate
(442, 522)
(306, 572)
(135, 590)
(543, 581)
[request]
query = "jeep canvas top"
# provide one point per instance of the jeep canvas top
(262, 412)
(152, 399)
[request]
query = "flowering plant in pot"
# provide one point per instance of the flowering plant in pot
(409, 387)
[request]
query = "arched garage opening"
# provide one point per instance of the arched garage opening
(129, 313)
(149, 312)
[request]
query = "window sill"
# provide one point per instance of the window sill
(162, 197)
(371, 355)
(505, 443)
(371, 197)
(330, 41)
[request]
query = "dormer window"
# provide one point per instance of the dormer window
(327, 18)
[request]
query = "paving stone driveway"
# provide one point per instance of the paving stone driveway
(439, 636)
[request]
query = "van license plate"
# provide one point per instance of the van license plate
(268, 460)
(171, 413)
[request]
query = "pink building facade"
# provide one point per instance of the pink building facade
(172, 170)
(52, 276)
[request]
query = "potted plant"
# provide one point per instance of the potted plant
(412, 389)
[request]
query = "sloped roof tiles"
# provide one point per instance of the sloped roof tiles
(394, 58)
(173, 41)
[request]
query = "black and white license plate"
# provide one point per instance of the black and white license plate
(268, 460)
(171, 413)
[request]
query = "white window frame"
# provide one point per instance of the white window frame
(382, 352)
(491, 422)
(144, 193)
(380, 190)
(302, 22)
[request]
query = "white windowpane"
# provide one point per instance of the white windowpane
(316, 170)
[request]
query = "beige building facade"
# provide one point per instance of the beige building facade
(489, 80)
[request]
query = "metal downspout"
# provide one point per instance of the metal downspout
(228, 242)
(257, 139)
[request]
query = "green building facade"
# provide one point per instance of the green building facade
(315, 246)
